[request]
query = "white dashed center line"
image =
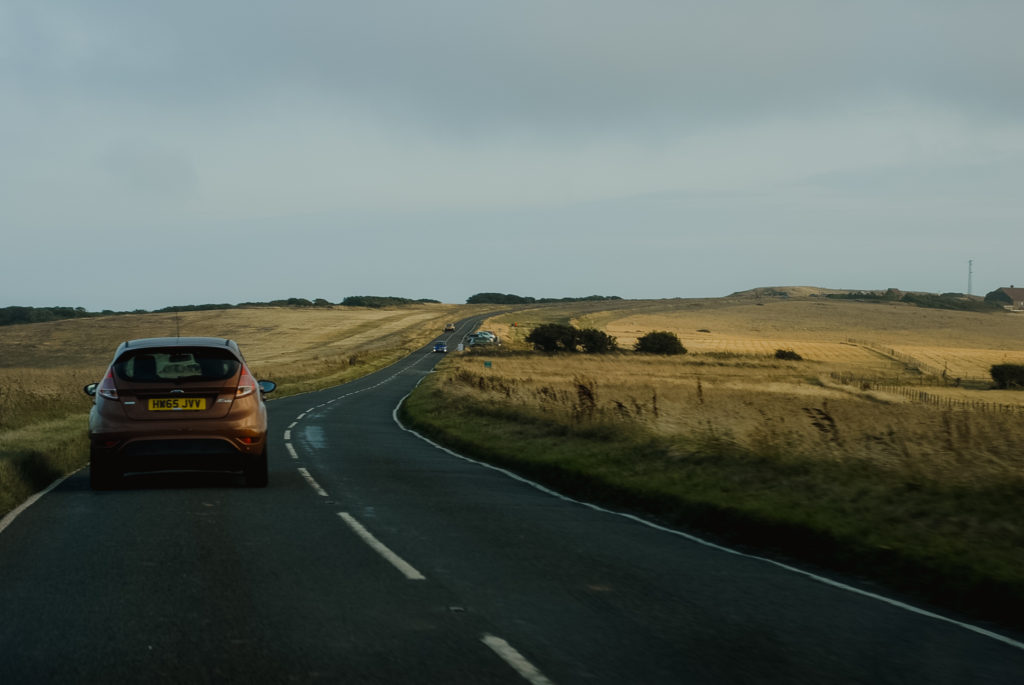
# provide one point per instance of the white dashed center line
(379, 547)
(312, 483)
(516, 660)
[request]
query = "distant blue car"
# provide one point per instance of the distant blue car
(440, 346)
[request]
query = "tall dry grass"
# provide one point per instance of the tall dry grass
(732, 388)
(754, 403)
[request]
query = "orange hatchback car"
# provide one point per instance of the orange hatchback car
(178, 404)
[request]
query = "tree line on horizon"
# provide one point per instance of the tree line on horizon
(19, 315)
(954, 301)
(509, 298)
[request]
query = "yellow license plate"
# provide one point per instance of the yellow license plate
(177, 403)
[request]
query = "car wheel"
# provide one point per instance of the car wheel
(256, 474)
(102, 474)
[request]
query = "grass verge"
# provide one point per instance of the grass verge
(33, 457)
(951, 545)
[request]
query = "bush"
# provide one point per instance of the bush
(498, 298)
(559, 337)
(659, 342)
(378, 302)
(950, 301)
(594, 341)
(998, 297)
(552, 337)
(788, 355)
(1008, 376)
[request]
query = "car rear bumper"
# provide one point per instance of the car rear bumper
(178, 453)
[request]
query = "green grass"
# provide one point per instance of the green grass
(33, 457)
(961, 546)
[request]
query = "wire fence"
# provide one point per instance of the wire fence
(912, 362)
(926, 397)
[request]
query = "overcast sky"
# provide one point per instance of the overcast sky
(158, 153)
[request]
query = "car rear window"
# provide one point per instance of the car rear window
(178, 364)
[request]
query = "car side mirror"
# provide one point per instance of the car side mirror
(266, 386)
(90, 389)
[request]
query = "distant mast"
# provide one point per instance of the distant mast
(970, 274)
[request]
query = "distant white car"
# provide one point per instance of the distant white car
(481, 338)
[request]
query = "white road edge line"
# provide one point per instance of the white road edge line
(517, 661)
(291, 450)
(17, 511)
(406, 569)
(312, 483)
(693, 538)
(288, 434)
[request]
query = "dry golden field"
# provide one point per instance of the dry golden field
(870, 338)
(964, 344)
(44, 366)
(785, 409)
(856, 395)
(268, 335)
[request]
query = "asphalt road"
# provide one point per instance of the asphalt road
(376, 557)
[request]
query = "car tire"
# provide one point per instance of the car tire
(256, 471)
(102, 474)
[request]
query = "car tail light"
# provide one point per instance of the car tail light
(107, 388)
(246, 383)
